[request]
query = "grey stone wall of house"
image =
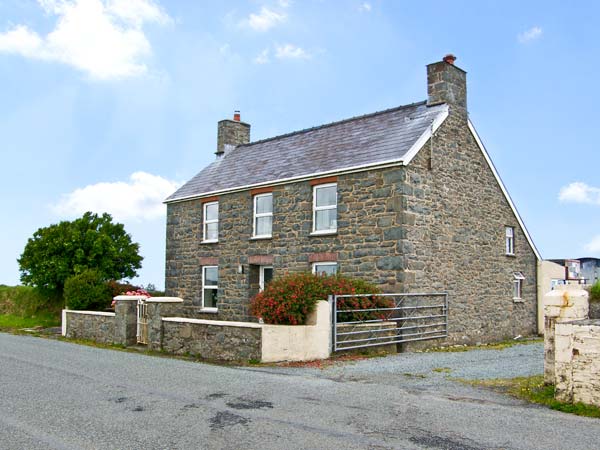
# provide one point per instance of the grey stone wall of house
(99, 328)
(435, 225)
(454, 222)
(228, 343)
(125, 322)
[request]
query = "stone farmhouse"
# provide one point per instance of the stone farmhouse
(407, 198)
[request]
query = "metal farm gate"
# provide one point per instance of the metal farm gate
(142, 322)
(383, 319)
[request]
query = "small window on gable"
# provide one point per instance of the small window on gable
(210, 222)
(263, 215)
(325, 208)
(518, 279)
(210, 287)
(510, 240)
(325, 268)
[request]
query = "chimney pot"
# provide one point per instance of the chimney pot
(449, 58)
(236, 116)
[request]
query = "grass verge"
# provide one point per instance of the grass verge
(533, 389)
(11, 322)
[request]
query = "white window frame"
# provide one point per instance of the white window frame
(261, 277)
(257, 215)
(509, 240)
(518, 286)
(323, 208)
(210, 286)
(205, 222)
(324, 263)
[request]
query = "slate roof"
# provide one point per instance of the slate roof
(380, 137)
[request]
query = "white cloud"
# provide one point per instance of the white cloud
(289, 51)
(140, 198)
(262, 57)
(530, 35)
(265, 19)
(103, 38)
(365, 7)
(594, 245)
(579, 192)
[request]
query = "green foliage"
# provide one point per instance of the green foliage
(26, 301)
(288, 300)
(595, 292)
(58, 251)
(12, 322)
(87, 291)
(117, 288)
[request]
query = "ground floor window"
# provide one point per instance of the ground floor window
(518, 285)
(210, 286)
(325, 268)
(265, 276)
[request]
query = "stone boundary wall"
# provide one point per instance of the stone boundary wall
(577, 361)
(211, 339)
(94, 325)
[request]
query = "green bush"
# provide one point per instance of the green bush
(595, 292)
(288, 300)
(87, 290)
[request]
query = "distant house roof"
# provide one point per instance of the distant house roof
(393, 135)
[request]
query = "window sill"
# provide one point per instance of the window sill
(518, 300)
(210, 242)
(323, 233)
(259, 238)
(209, 310)
(512, 255)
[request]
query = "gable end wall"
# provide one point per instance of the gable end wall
(457, 241)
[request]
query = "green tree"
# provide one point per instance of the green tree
(61, 250)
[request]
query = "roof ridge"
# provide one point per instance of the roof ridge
(326, 125)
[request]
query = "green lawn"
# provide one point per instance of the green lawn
(10, 322)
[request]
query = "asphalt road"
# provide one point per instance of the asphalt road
(64, 396)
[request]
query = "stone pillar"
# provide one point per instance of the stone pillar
(126, 319)
(565, 303)
(157, 308)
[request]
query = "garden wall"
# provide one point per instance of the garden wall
(93, 325)
(210, 339)
(577, 361)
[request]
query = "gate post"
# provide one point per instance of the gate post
(126, 319)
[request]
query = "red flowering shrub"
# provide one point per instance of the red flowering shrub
(290, 299)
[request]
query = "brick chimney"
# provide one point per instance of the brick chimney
(446, 83)
(231, 133)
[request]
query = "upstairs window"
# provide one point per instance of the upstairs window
(211, 222)
(518, 285)
(325, 268)
(263, 215)
(510, 241)
(325, 208)
(210, 287)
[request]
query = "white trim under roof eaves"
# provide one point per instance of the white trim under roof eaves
(419, 143)
(408, 156)
(504, 191)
